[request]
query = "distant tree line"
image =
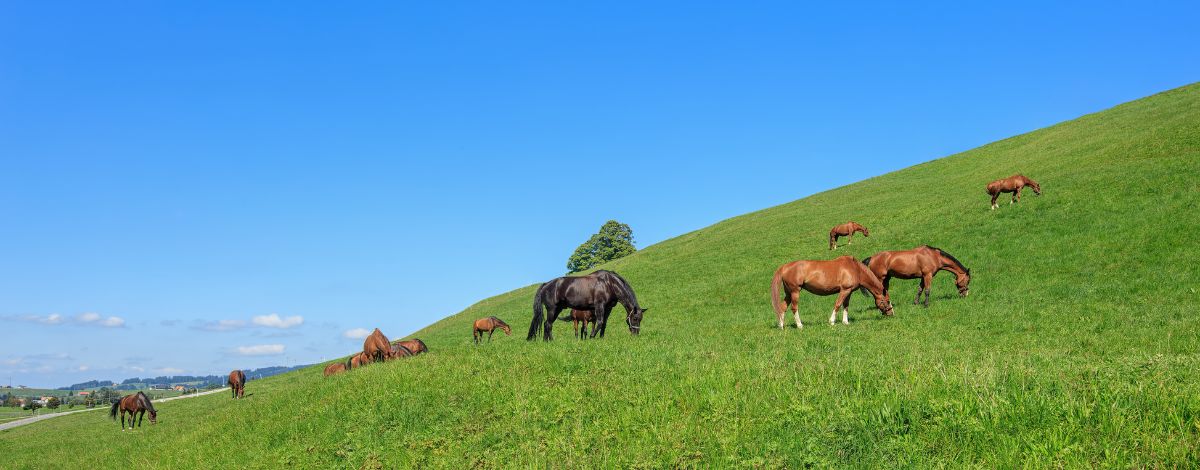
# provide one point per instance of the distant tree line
(135, 383)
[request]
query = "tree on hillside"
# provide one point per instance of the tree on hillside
(615, 240)
(52, 403)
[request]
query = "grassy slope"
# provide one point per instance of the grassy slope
(1079, 344)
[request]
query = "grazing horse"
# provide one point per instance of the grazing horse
(599, 292)
(377, 346)
(237, 383)
(580, 316)
(1012, 184)
(359, 360)
(489, 325)
(335, 368)
(921, 263)
(840, 276)
(846, 230)
(399, 351)
(136, 405)
(416, 346)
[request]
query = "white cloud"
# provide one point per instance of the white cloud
(357, 333)
(260, 350)
(168, 370)
(83, 368)
(92, 318)
(51, 319)
(221, 325)
(274, 321)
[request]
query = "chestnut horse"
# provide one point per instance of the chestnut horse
(578, 317)
(359, 360)
(846, 230)
(489, 325)
(1012, 184)
(921, 263)
(376, 345)
(415, 345)
(237, 383)
(336, 368)
(599, 292)
(136, 405)
(841, 276)
(399, 351)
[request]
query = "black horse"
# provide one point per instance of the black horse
(599, 292)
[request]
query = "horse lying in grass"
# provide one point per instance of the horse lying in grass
(415, 345)
(136, 405)
(841, 276)
(921, 263)
(336, 368)
(846, 230)
(1012, 184)
(237, 383)
(489, 324)
(399, 351)
(599, 292)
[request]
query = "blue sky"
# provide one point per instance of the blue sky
(191, 188)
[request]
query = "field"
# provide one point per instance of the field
(1079, 345)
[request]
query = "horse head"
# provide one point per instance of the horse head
(962, 282)
(1037, 188)
(634, 319)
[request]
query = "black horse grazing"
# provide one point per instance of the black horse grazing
(599, 292)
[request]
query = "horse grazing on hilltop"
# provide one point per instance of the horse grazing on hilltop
(599, 292)
(840, 276)
(336, 368)
(377, 346)
(1012, 184)
(136, 405)
(581, 317)
(237, 383)
(489, 324)
(399, 351)
(921, 263)
(846, 230)
(359, 360)
(415, 345)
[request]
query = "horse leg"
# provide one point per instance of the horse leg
(794, 303)
(493, 330)
(846, 308)
(551, 316)
(122, 420)
(887, 281)
(928, 282)
(995, 195)
(841, 299)
(475, 336)
(920, 287)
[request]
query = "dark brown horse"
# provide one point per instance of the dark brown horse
(1012, 184)
(415, 345)
(489, 325)
(136, 405)
(377, 346)
(841, 276)
(399, 351)
(846, 230)
(921, 263)
(237, 383)
(599, 292)
(581, 317)
(335, 368)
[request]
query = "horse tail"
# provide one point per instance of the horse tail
(112, 413)
(775, 282)
(535, 325)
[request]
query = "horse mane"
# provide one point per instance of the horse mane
(146, 400)
(623, 287)
(867, 261)
(948, 255)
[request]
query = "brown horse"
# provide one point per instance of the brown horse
(921, 263)
(335, 368)
(377, 346)
(237, 383)
(583, 317)
(359, 360)
(399, 351)
(489, 325)
(415, 345)
(1012, 184)
(839, 276)
(136, 405)
(846, 230)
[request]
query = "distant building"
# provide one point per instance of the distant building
(84, 393)
(179, 388)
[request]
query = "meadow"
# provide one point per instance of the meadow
(1078, 347)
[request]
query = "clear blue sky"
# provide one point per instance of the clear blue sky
(170, 171)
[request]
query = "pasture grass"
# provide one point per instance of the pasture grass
(1078, 346)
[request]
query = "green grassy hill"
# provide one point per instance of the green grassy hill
(1079, 344)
